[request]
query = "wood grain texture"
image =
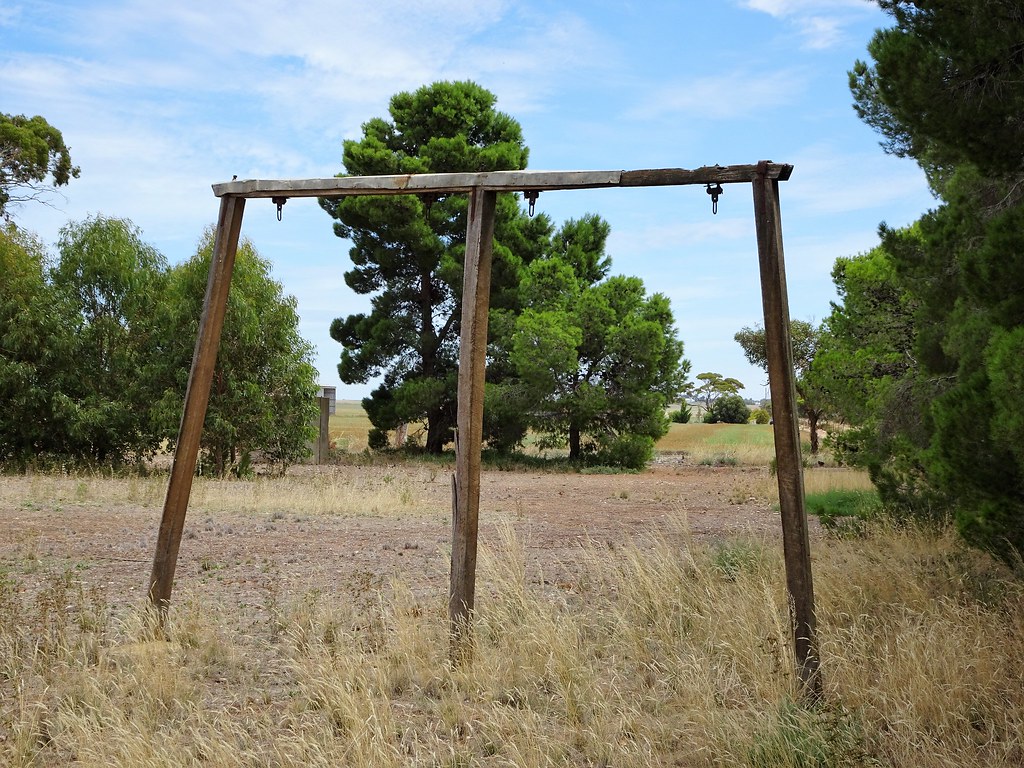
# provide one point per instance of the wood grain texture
(497, 181)
(470, 419)
(197, 397)
(782, 384)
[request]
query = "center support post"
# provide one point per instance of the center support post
(476, 293)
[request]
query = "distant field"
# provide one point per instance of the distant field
(750, 444)
(349, 426)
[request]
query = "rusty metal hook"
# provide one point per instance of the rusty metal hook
(279, 202)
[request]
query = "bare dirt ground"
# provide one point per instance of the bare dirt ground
(249, 556)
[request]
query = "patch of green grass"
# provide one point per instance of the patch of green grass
(808, 738)
(844, 510)
(737, 556)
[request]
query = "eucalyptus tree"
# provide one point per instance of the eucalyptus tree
(263, 393)
(109, 283)
(805, 339)
(33, 159)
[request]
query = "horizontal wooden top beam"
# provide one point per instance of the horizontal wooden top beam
(498, 181)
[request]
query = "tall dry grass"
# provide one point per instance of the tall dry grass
(341, 490)
(661, 654)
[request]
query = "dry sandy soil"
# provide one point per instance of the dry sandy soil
(268, 548)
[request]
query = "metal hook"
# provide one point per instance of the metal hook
(714, 191)
(531, 197)
(279, 202)
(428, 201)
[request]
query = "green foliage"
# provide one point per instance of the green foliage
(683, 415)
(628, 451)
(580, 358)
(78, 342)
(844, 511)
(945, 87)
(35, 344)
(728, 409)
(95, 353)
(740, 556)
(264, 384)
(714, 385)
(798, 737)
(805, 340)
(377, 440)
(945, 84)
(596, 360)
(408, 255)
(30, 151)
(760, 416)
(109, 284)
(867, 363)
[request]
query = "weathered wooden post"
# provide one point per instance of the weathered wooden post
(197, 397)
(789, 470)
(476, 290)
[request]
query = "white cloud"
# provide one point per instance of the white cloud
(826, 181)
(723, 97)
(820, 32)
(678, 234)
(820, 23)
(783, 8)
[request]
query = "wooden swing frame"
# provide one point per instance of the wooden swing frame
(482, 188)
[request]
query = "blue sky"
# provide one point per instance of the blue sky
(159, 100)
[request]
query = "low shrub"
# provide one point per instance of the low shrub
(683, 415)
(728, 409)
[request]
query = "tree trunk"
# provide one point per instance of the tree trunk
(574, 442)
(437, 428)
(812, 422)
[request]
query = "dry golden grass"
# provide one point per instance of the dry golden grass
(349, 491)
(669, 654)
(825, 479)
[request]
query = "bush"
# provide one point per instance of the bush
(378, 440)
(625, 451)
(728, 409)
(683, 415)
(761, 416)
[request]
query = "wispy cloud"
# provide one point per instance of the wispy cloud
(662, 237)
(821, 24)
(722, 97)
(828, 181)
(158, 100)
